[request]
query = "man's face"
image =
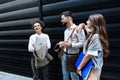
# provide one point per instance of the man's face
(64, 20)
(37, 27)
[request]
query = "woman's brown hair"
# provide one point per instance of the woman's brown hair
(99, 24)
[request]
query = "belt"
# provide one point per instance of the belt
(71, 54)
(65, 52)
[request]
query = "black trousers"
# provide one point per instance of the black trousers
(39, 73)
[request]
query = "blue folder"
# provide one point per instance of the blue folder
(87, 68)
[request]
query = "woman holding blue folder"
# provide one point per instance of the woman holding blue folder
(96, 45)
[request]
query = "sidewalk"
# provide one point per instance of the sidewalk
(9, 76)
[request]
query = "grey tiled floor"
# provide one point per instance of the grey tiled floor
(9, 76)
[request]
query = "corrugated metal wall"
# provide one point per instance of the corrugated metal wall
(15, 29)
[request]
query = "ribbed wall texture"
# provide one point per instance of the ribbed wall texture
(15, 29)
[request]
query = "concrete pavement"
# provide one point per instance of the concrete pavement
(10, 76)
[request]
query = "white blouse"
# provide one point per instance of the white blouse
(32, 41)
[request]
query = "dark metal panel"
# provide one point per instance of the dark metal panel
(20, 14)
(10, 61)
(51, 1)
(13, 42)
(113, 30)
(15, 30)
(5, 1)
(83, 16)
(108, 13)
(16, 5)
(16, 34)
(56, 32)
(12, 50)
(79, 6)
(12, 24)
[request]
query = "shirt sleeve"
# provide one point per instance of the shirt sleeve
(65, 35)
(48, 42)
(94, 46)
(81, 39)
(30, 44)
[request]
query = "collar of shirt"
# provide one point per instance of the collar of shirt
(88, 30)
(73, 26)
(38, 34)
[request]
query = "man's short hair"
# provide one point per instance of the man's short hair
(67, 13)
(38, 21)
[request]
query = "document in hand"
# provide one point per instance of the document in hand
(87, 68)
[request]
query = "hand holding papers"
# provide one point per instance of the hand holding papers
(86, 69)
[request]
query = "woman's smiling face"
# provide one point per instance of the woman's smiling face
(89, 24)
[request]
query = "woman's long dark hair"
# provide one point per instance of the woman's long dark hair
(99, 24)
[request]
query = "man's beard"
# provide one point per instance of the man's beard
(64, 24)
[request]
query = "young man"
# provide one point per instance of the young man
(43, 63)
(71, 46)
